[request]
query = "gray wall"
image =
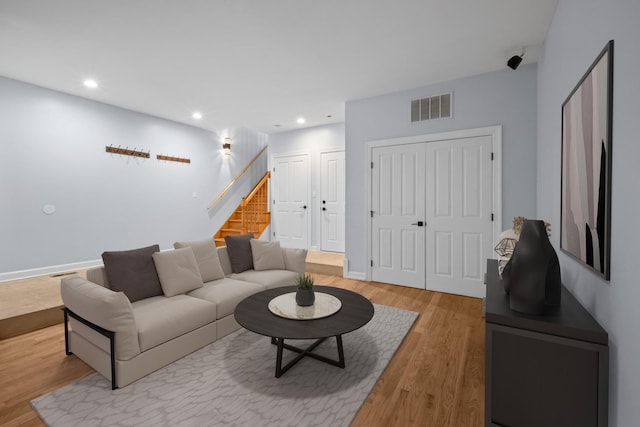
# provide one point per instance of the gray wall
(506, 98)
(53, 152)
(311, 141)
(579, 31)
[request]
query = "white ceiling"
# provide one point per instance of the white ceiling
(260, 63)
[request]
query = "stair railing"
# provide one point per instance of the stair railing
(234, 180)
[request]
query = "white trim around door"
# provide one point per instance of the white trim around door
(495, 135)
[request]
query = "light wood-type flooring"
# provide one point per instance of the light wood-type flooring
(435, 379)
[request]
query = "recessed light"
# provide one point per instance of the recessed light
(90, 83)
(301, 120)
(197, 115)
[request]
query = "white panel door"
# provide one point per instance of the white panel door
(459, 192)
(398, 203)
(332, 201)
(290, 177)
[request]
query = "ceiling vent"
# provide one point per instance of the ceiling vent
(434, 107)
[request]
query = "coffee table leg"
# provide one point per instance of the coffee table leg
(340, 351)
(280, 342)
(305, 352)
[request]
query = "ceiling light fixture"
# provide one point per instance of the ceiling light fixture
(227, 146)
(197, 115)
(301, 120)
(90, 83)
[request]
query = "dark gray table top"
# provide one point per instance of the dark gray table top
(253, 314)
(570, 320)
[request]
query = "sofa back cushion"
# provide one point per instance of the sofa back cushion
(295, 259)
(133, 272)
(178, 271)
(206, 257)
(98, 275)
(266, 255)
(239, 250)
(225, 262)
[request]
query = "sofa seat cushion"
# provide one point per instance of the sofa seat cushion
(160, 319)
(226, 293)
(268, 278)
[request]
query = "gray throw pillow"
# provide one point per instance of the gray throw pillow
(206, 257)
(133, 272)
(239, 250)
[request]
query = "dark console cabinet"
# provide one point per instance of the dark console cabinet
(550, 370)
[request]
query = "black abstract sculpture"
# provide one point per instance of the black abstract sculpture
(531, 278)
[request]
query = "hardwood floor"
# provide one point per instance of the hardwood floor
(435, 379)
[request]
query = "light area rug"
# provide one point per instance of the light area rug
(231, 382)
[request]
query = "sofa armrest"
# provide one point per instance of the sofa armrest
(295, 259)
(105, 308)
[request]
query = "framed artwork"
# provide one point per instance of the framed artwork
(585, 223)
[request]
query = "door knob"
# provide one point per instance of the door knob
(324, 209)
(304, 207)
(419, 223)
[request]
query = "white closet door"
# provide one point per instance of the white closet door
(459, 195)
(398, 203)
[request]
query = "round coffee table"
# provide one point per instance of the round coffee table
(253, 314)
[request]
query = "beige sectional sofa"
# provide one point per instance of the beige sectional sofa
(125, 340)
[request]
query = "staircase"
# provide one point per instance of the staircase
(251, 216)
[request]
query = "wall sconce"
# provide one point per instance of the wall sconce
(227, 146)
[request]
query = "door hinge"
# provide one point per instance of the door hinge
(492, 217)
(274, 201)
(371, 263)
(371, 214)
(492, 155)
(371, 165)
(274, 234)
(274, 170)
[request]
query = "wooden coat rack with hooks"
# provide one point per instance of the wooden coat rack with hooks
(127, 152)
(173, 159)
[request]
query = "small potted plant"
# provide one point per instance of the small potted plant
(304, 295)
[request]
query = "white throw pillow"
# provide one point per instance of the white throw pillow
(178, 271)
(206, 257)
(266, 255)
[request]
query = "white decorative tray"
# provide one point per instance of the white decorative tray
(285, 306)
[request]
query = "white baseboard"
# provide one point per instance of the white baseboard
(315, 248)
(355, 275)
(43, 271)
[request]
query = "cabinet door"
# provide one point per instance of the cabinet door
(534, 379)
